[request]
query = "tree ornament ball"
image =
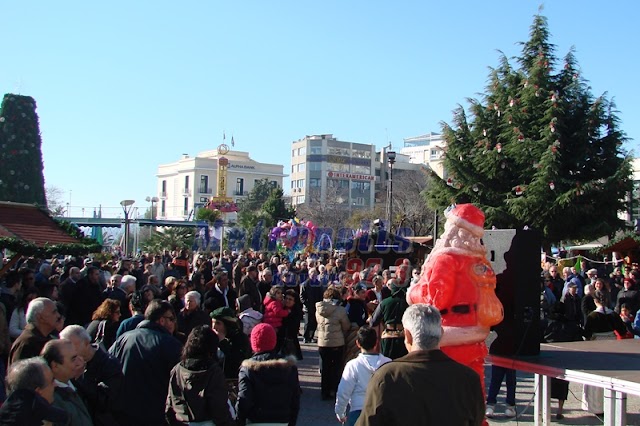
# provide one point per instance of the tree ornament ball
(475, 188)
(552, 186)
(519, 190)
(499, 147)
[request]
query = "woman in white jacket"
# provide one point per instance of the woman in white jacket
(356, 376)
(18, 320)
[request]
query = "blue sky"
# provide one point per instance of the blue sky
(123, 86)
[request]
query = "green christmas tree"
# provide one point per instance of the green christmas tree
(538, 150)
(21, 169)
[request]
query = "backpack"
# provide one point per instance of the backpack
(99, 339)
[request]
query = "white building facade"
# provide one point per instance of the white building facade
(426, 149)
(187, 184)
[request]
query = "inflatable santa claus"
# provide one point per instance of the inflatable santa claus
(458, 280)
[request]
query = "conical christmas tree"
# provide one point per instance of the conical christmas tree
(539, 150)
(21, 169)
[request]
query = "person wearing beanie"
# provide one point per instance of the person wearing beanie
(234, 345)
(268, 386)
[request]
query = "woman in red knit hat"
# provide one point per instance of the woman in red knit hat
(268, 386)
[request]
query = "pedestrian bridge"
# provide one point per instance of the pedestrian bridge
(118, 222)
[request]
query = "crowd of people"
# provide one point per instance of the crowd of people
(175, 338)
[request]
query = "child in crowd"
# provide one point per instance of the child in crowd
(356, 376)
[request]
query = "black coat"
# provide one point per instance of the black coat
(213, 299)
(100, 386)
(197, 392)
(84, 299)
(147, 355)
(268, 390)
(187, 321)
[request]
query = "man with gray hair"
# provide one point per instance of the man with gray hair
(42, 318)
(424, 387)
(31, 387)
(100, 385)
(119, 288)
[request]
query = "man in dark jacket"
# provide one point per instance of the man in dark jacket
(221, 295)
(101, 383)
(42, 319)
(147, 355)
(86, 297)
(425, 387)
(311, 292)
(30, 383)
(249, 286)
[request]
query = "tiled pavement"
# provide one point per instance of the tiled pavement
(315, 412)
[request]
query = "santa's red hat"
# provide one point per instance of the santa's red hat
(467, 216)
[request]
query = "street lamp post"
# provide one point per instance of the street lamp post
(153, 200)
(127, 205)
(391, 157)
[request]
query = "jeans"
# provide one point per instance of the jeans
(497, 375)
(352, 417)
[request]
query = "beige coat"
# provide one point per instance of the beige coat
(333, 323)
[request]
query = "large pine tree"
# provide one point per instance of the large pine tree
(538, 149)
(21, 169)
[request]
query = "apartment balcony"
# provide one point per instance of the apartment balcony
(203, 190)
(186, 192)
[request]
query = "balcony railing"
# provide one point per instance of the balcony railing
(163, 195)
(186, 192)
(244, 193)
(204, 190)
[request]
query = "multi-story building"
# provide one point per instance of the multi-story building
(426, 149)
(187, 184)
(324, 169)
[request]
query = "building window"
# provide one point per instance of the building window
(186, 206)
(300, 183)
(315, 150)
(163, 208)
(315, 166)
(239, 186)
(358, 201)
(365, 170)
(315, 183)
(293, 168)
(274, 184)
(300, 199)
(360, 185)
(302, 167)
(302, 151)
(204, 184)
(186, 183)
(293, 152)
(338, 167)
(344, 152)
(164, 186)
(361, 154)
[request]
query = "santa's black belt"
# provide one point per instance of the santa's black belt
(394, 327)
(459, 309)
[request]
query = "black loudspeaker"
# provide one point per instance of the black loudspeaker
(515, 258)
